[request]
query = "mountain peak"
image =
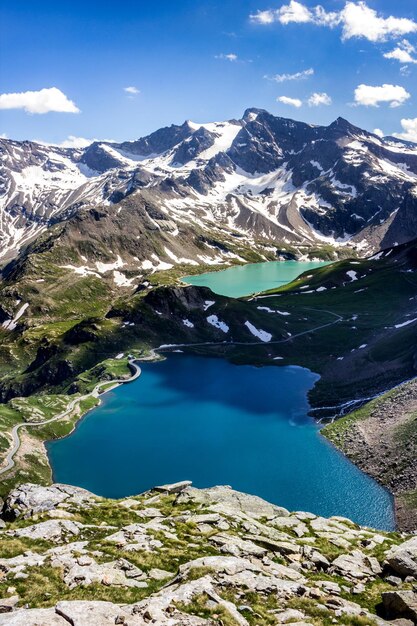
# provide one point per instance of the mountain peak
(343, 124)
(252, 113)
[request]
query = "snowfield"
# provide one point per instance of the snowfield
(352, 275)
(260, 334)
(214, 321)
(405, 323)
(11, 324)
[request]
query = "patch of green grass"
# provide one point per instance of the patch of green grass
(337, 430)
(198, 606)
(406, 433)
(13, 546)
(45, 587)
(411, 498)
(52, 330)
(39, 408)
(323, 617)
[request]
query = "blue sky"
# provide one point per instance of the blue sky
(176, 53)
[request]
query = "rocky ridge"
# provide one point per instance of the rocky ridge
(181, 555)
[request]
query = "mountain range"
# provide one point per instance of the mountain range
(211, 193)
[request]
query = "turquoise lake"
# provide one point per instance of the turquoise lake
(242, 280)
(212, 422)
(206, 420)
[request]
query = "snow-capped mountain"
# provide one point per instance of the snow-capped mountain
(261, 178)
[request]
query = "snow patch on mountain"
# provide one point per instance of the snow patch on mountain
(11, 324)
(213, 320)
(260, 334)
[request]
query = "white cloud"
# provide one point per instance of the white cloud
(368, 95)
(356, 20)
(75, 142)
(297, 13)
(264, 17)
(227, 57)
(294, 12)
(133, 91)
(3, 136)
(402, 53)
(409, 130)
(42, 101)
(294, 102)
(319, 99)
(378, 132)
(315, 100)
(359, 20)
(280, 78)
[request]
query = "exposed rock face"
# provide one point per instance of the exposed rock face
(402, 603)
(177, 555)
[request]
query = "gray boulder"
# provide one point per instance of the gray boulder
(51, 530)
(356, 565)
(29, 499)
(33, 617)
(226, 500)
(84, 613)
(400, 604)
(7, 604)
(174, 487)
(403, 558)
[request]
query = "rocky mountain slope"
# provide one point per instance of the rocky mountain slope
(381, 438)
(183, 556)
(261, 178)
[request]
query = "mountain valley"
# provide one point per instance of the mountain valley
(95, 242)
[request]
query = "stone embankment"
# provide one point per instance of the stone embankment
(177, 555)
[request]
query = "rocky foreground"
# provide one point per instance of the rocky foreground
(180, 555)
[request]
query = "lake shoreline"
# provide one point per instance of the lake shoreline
(401, 515)
(313, 446)
(153, 357)
(386, 422)
(233, 281)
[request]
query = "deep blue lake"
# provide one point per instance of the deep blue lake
(206, 420)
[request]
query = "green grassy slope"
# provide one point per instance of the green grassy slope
(340, 322)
